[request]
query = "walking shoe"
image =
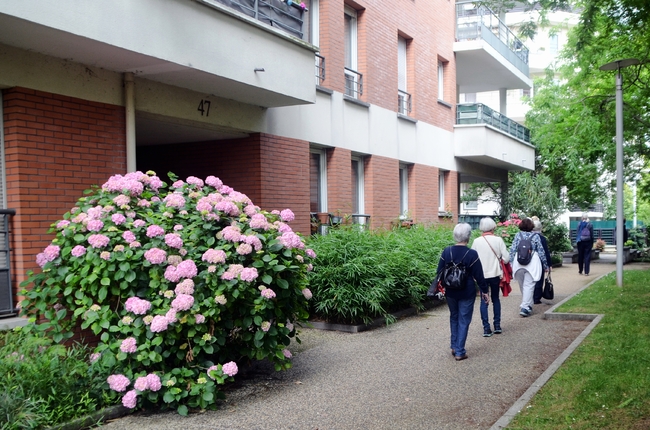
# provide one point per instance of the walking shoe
(498, 330)
(487, 333)
(453, 352)
(460, 357)
(538, 302)
(524, 312)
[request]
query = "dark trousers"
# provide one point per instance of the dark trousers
(584, 255)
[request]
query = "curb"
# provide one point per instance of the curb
(548, 373)
(109, 413)
(377, 322)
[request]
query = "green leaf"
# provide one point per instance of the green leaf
(169, 397)
(130, 276)
(282, 283)
(182, 410)
(267, 279)
(279, 267)
(208, 396)
(103, 292)
(105, 281)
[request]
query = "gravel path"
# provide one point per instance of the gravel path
(397, 377)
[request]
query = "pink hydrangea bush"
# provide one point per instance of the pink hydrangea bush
(180, 283)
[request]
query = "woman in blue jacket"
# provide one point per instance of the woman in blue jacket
(461, 301)
(584, 242)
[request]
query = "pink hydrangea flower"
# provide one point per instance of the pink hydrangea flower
(178, 184)
(183, 302)
(248, 274)
(118, 382)
(200, 319)
(287, 215)
(193, 180)
(51, 252)
(174, 200)
(128, 236)
(244, 249)
(266, 325)
(173, 240)
(137, 305)
(268, 293)
(135, 244)
(141, 384)
(178, 227)
(210, 369)
(221, 299)
(130, 399)
(78, 251)
(155, 231)
(259, 221)
(153, 381)
(230, 368)
(291, 240)
(158, 324)
(105, 255)
(185, 287)
(98, 240)
(95, 356)
(63, 224)
(286, 353)
(170, 316)
(139, 223)
(307, 293)
(231, 233)
(118, 219)
(155, 256)
(187, 269)
(214, 256)
(227, 207)
(128, 345)
(310, 253)
(253, 241)
(213, 181)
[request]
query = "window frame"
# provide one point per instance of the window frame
(441, 80)
(360, 183)
(322, 178)
(351, 50)
(403, 191)
(441, 190)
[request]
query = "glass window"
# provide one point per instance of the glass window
(357, 186)
(350, 29)
(553, 43)
(403, 190)
(317, 181)
(401, 63)
(441, 80)
(441, 191)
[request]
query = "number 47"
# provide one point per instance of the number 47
(204, 107)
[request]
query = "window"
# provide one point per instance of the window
(317, 181)
(553, 43)
(314, 39)
(352, 78)
(441, 80)
(403, 191)
(403, 97)
(441, 191)
(357, 185)
(469, 206)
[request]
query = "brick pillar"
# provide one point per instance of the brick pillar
(423, 193)
(382, 190)
(339, 181)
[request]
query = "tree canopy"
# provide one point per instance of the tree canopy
(573, 113)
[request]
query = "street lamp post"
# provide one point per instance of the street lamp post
(618, 65)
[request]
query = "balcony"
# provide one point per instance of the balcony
(487, 137)
(243, 50)
(320, 69)
(488, 55)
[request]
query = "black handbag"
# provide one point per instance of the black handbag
(547, 292)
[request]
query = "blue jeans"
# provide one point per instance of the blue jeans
(584, 255)
(496, 304)
(460, 316)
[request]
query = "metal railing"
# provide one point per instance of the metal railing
(320, 69)
(478, 113)
(353, 83)
(275, 13)
(479, 22)
(403, 102)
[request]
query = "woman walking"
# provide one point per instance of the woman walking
(461, 301)
(528, 274)
(584, 242)
(491, 250)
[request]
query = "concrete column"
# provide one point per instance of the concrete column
(503, 101)
(129, 108)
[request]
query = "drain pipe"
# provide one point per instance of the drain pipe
(129, 107)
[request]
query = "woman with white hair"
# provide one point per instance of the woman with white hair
(491, 249)
(584, 242)
(461, 301)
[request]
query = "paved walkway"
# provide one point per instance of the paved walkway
(399, 377)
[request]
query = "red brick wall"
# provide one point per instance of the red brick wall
(381, 190)
(339, 181)
(423, 193)
(55, 148)
(430, 26)
(272, 171)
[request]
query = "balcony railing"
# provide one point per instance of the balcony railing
(320, 69)
(353, 83)
(275, 13)
(479, 22)
(478, 113)
(403, 102)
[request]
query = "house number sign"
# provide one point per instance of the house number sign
(204, 107)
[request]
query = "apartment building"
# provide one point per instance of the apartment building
(324, 107)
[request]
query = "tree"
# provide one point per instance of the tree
(527, 194)
(573, 115)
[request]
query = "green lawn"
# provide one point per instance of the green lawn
(605, 383)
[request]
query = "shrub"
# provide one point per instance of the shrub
(43, 384)
(557, 236)
(360, 275)
(179, 285)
